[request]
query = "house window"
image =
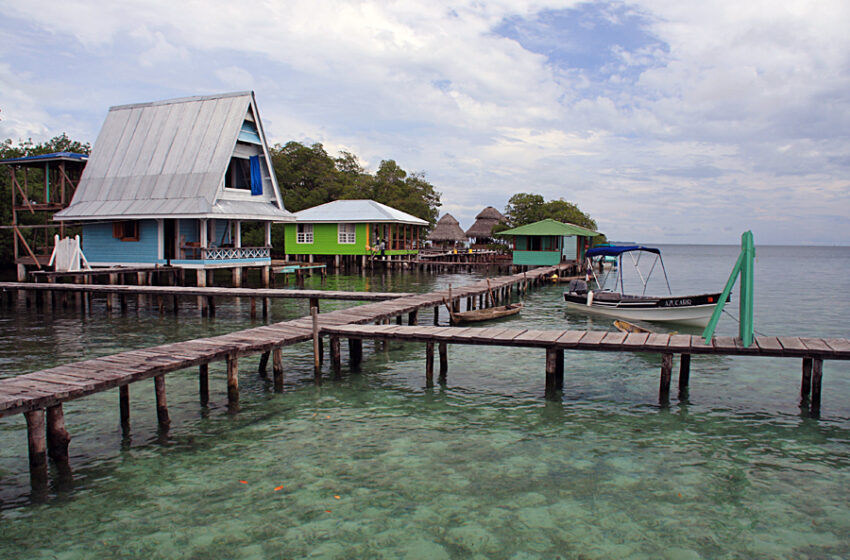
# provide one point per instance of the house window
(347, 234)
(304, 233)
(126, 231)
(238, 175)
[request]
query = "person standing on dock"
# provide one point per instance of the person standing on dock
(382, 247)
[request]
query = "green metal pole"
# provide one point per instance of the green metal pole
(718, 309)
(748, 252)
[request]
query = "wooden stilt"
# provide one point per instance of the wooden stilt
(412, 317)
(204, 383)
(436, 316)
(232, 381)
(355, 352)
(398, 319)
(444, 360)
(806, 383)
(37, 444)
(317, 343)
(666, 374)
(277, 369)
(336, 356)
(264, 360)
(314, 304)
(684, 373)
(161, 403)
(817, 375)
(58, 437)
(211, 306)
(429, 364)
(553, 383)
(253, 308)
(124, 407)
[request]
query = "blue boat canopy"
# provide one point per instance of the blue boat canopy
(617, 250)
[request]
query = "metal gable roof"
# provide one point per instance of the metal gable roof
(356, 211)
(175, 150)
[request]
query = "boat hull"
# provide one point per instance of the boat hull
(684, 310)
(486, 314)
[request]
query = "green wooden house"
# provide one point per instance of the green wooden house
(351, 230)
(548, 242)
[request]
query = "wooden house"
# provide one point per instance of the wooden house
(352, 229)
(548, 242)
(447, 233)
(171, 182)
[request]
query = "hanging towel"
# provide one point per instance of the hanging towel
(256, 177)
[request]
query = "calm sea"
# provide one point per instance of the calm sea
(375, 465)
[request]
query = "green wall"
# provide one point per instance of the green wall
(326, 242)
(537, 258)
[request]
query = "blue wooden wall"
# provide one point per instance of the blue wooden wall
(100, 247)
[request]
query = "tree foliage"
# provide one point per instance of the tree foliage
(309, 176)
(23, 148)
(526, 208)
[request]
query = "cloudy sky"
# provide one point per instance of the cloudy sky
(666, 120)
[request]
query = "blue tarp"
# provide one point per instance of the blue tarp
(42, 157)
(256, 177)
(617, 250)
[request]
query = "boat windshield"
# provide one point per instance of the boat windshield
(634, 252)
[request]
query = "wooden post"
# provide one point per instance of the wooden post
(554, 371)
(336, 358)
(412, 317)
(806, 384)
(277, 369)
(58, 437)
(264, 360)
(429, 364)
(817, 374)
(314, 304)
(161, 404)
(355, 352)
(436, 315)
(253, 308)
(444, 361)
(204, 383)
(666, 373)
(124, 407)
(317, 362)
(211, 305)
(232, 380)
(37, 443)
(398, 319)
(684, 373)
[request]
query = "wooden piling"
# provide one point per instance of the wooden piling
(436, 315)
(817, 375)
(232, 380)
(161, 403)
(684, 372)
(554, 371)
(204, 383)
(317, 362)
(277, 369)
(444, 360)
(806, 382)
(429, 364)
(336, 356)
(264, 360)
(355, 352)
(666, 374)
(413, 317)
(37, 444)
(58, 437)
(124, 407)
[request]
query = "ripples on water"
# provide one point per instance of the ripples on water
(376, 465)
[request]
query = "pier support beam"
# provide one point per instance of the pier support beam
(232, 381)
(412, 317)
(124, 407)
(444, 361)
(806, 382)
(355, 353)
(264, 361)
(817, 374)
(161, 403)
(666, 374)
(204, 383)
(684, 375)
(554, 372)
(58, 437)
(429, 364)
(37, 444)
(336, 356)
(277, 369)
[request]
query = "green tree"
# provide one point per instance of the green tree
(527, 208)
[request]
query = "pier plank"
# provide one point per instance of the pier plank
(680, 342)
(613, 339)
(592, 339)
(816, 345)
(570, 339)
(724, 344)
(635, 340)
(769, 344)
(658, 341)
(793, 346)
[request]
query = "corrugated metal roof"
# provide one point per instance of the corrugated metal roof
(356, 211)
(47, 158)
(549, 227)
(168, 158)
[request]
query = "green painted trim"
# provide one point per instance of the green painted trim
(326, 242)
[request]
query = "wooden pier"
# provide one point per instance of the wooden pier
(39, 396)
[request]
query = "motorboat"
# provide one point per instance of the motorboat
(693, 310)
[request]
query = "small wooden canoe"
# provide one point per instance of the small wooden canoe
(486, 314)
(627, 327)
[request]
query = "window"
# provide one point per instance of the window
(126, 231)
(347, 233)
(304, 233)
(238, 175)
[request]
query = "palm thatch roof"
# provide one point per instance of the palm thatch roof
(484, 223)
(447, 229)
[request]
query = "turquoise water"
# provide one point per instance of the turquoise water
(376, 465)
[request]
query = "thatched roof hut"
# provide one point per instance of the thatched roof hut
(484, 223)
(447, 230)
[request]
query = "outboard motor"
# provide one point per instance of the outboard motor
(578, 287)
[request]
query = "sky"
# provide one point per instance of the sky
(668, 121)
